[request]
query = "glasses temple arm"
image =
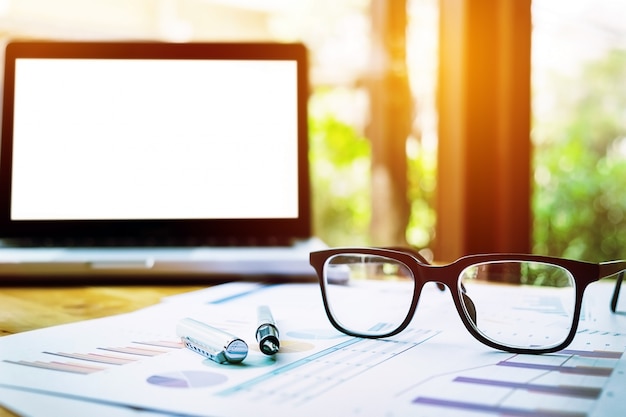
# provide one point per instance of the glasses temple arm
(611, 268)
(618, 285)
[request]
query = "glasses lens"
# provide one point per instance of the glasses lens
(519, 304)
(359, 297)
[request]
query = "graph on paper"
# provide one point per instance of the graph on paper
(305, 379)
(417, 373)
(568, 383)
(101, 358)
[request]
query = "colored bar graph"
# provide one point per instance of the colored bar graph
(60, 366)
(537, 394)
(495, 409)
(93, 357)
(603, 354)
(135, 351)
(564, 390)
(104, 356)
(576, 370)
(162, 343)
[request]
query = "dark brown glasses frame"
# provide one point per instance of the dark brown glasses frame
(584, 273)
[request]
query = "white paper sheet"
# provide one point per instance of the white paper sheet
(434, 368)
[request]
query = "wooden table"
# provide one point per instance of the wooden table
(30, 308)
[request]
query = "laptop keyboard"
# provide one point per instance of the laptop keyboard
(147, 242)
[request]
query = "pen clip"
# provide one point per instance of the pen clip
(196, 346)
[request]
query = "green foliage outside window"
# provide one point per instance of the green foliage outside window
(579, 203)
(340, 170)
(579, 199)
(422, 167)
(340, 160)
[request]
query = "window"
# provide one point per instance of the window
(579, 128)
(439, 89)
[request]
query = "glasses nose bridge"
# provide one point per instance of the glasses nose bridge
(435, 273)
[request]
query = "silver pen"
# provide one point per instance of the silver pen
(267, 332)
(211, 342)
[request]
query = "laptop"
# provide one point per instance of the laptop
(138, 162)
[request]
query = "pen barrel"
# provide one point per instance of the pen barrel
(267, 332)
(264, 316)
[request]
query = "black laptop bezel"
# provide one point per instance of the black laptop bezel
(222, 230)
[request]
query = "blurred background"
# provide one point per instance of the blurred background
(375, 109)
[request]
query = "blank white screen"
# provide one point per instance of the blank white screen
(154, 139)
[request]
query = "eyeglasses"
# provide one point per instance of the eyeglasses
(512, 302)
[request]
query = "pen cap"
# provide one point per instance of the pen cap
(222, 345)
(236, 351)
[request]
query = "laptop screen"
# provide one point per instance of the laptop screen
(155, 135)
(97, 139)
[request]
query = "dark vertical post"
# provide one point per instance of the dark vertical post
(484, 161)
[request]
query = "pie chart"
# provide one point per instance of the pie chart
(187, 379)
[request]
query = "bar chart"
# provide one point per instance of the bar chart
(101, 358)
(568, 383)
